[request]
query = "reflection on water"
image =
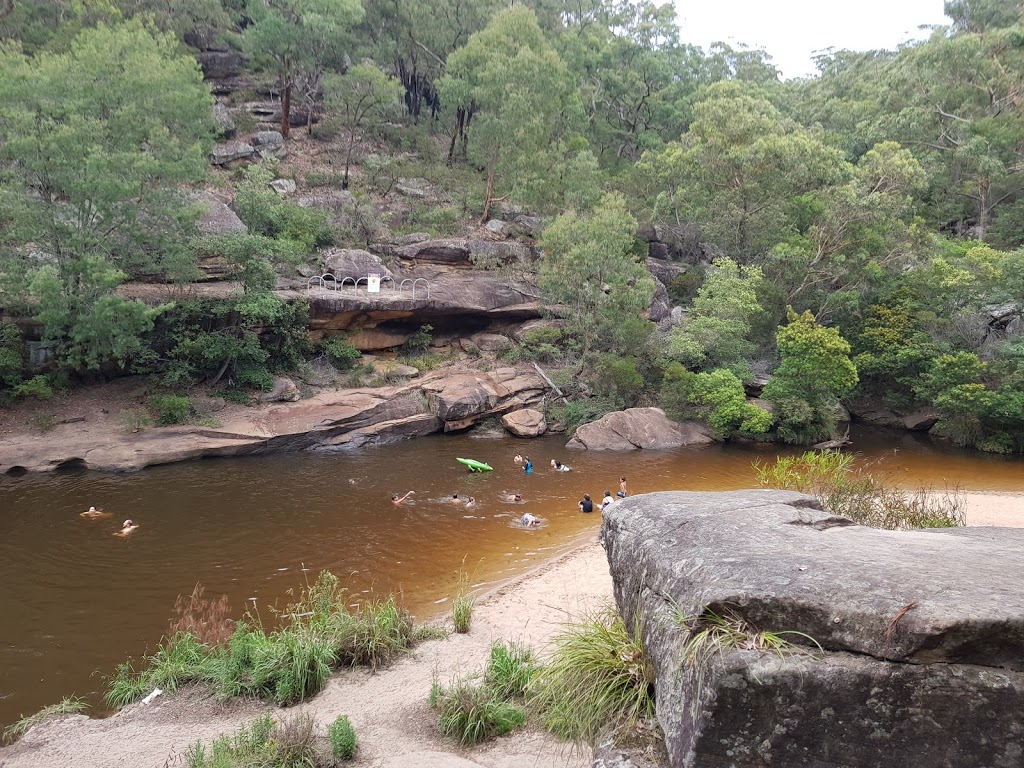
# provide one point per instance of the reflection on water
(76, 599)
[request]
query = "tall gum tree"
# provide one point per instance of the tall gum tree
(510, 76)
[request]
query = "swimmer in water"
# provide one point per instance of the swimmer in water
(518, 459)
(559, 466)
(127, 528)
(398, 500)
(470, 501)
(529, 521)
(456, 499)
(514, 497)
(587, 505)
(92, 513)
(528, 468)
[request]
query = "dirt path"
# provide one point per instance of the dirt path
(389, 709)
(1004, 509)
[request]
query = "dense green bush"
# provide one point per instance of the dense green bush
(727, 409)
(265, 212)
(343, 738)
(171, 409)
(615, 378)
(343, 355)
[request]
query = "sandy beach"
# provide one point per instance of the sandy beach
(388, 709)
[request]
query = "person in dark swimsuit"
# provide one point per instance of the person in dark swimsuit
(586, 505)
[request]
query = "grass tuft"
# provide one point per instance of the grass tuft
(462, 605)
(291, 743)
(70, 705)
(472, 711)
(597, 678)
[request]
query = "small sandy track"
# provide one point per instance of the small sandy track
(389, 709)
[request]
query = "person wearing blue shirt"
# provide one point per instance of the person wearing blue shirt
(529, 466)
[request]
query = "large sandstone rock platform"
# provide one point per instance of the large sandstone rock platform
(921, 633)
(636, 428)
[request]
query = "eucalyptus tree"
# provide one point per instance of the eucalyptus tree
(297, 39)
(95, 146)
(522, 96)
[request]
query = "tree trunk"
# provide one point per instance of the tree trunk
(286, 108)
(460, 126)
(984, 204)
(489, 198)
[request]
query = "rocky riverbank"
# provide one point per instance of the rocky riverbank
(95, 437)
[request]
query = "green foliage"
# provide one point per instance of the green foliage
(420, 340)
(728, 410)
(815, 371)
(290, 743)
(342, 354)
(616, 378)
(462, 605)
(265, 212)
(473, 712)
(520, 94)
(298, 38)
(38, 387)
(584, 410)
(171, 409)
(290, 663)
(13, 355)
(597, 679)
(864, 497)
(362, 94)
(717, 330)
(69, 705)
(343, 738)
(591, 274)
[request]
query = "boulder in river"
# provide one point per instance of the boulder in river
(917, 657)
(529, 422)
(638, 428)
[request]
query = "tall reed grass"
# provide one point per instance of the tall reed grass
(865, 494)
(285, 663)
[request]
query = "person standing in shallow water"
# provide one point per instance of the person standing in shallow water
(528, 467)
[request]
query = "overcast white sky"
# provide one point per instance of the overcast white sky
(793, 30)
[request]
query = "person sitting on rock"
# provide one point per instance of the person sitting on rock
(397, 501)
(126, 528)
(623, 493)
(607, 501)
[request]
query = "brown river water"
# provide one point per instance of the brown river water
(76, 600)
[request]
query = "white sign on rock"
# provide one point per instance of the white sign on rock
(373, 284)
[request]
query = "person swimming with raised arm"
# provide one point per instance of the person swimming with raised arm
(126, 528)
(398, 501)
(529, 521)
(93, 514)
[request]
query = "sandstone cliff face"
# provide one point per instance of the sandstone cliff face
(921, 633)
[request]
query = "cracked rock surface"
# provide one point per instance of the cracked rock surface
(921, 633)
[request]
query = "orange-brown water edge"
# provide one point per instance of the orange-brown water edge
(76, 600)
